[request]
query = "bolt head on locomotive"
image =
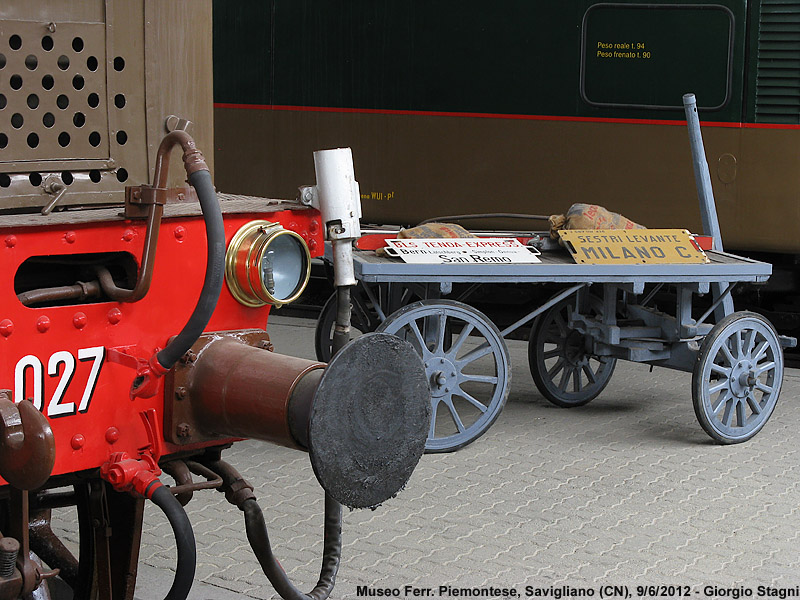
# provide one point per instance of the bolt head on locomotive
(133, 314)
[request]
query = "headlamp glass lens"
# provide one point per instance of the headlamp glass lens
(283, 266)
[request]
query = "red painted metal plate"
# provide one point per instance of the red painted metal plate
(71, 359)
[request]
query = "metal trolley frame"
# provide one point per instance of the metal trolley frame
(603, 313)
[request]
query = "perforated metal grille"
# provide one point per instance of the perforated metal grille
(53, 92)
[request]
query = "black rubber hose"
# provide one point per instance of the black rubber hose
(184, 540)
(341, 327)
(215, 271)
(331, 553)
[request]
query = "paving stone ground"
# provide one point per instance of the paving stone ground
(627, 490)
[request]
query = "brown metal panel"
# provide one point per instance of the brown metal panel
(46, 11)
(126, 99)
(178, 72)
(416, 167)
(79, 103)
(772, 175)
(93, 85)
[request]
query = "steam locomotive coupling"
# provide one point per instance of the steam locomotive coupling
(134, 305)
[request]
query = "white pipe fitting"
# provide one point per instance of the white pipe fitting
(338, 193)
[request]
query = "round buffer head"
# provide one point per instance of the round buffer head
(369, 420)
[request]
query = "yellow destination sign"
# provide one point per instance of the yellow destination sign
(632, 246)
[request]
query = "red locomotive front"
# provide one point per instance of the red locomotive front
(77, 357)
(134, 308)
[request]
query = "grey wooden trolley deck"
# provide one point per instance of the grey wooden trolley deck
(603, 313)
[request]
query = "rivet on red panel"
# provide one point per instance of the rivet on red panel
(128, 235)
(293, 226)
(112, 435)
(11, 241)
(312, 244)
(6, 327)
(70, 237)
(314, 226)
(77, 442)
(43, 324)
(79, 320)
(180, 233)
(114, 316)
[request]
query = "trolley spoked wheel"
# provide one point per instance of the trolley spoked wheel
(563, 370)
(467, 364)
(737, 378)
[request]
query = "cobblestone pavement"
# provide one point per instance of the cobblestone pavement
(627, 490)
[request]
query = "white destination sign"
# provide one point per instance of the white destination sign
(473, 251)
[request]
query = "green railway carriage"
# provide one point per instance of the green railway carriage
(522, 106)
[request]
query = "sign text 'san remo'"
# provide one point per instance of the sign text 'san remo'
(454, 251)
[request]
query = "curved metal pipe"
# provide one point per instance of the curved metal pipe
(79, 291)
(178, 470)
(193, 161)
(185, 486)
(139, 291)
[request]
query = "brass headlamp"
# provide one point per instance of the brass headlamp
(267, 264)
